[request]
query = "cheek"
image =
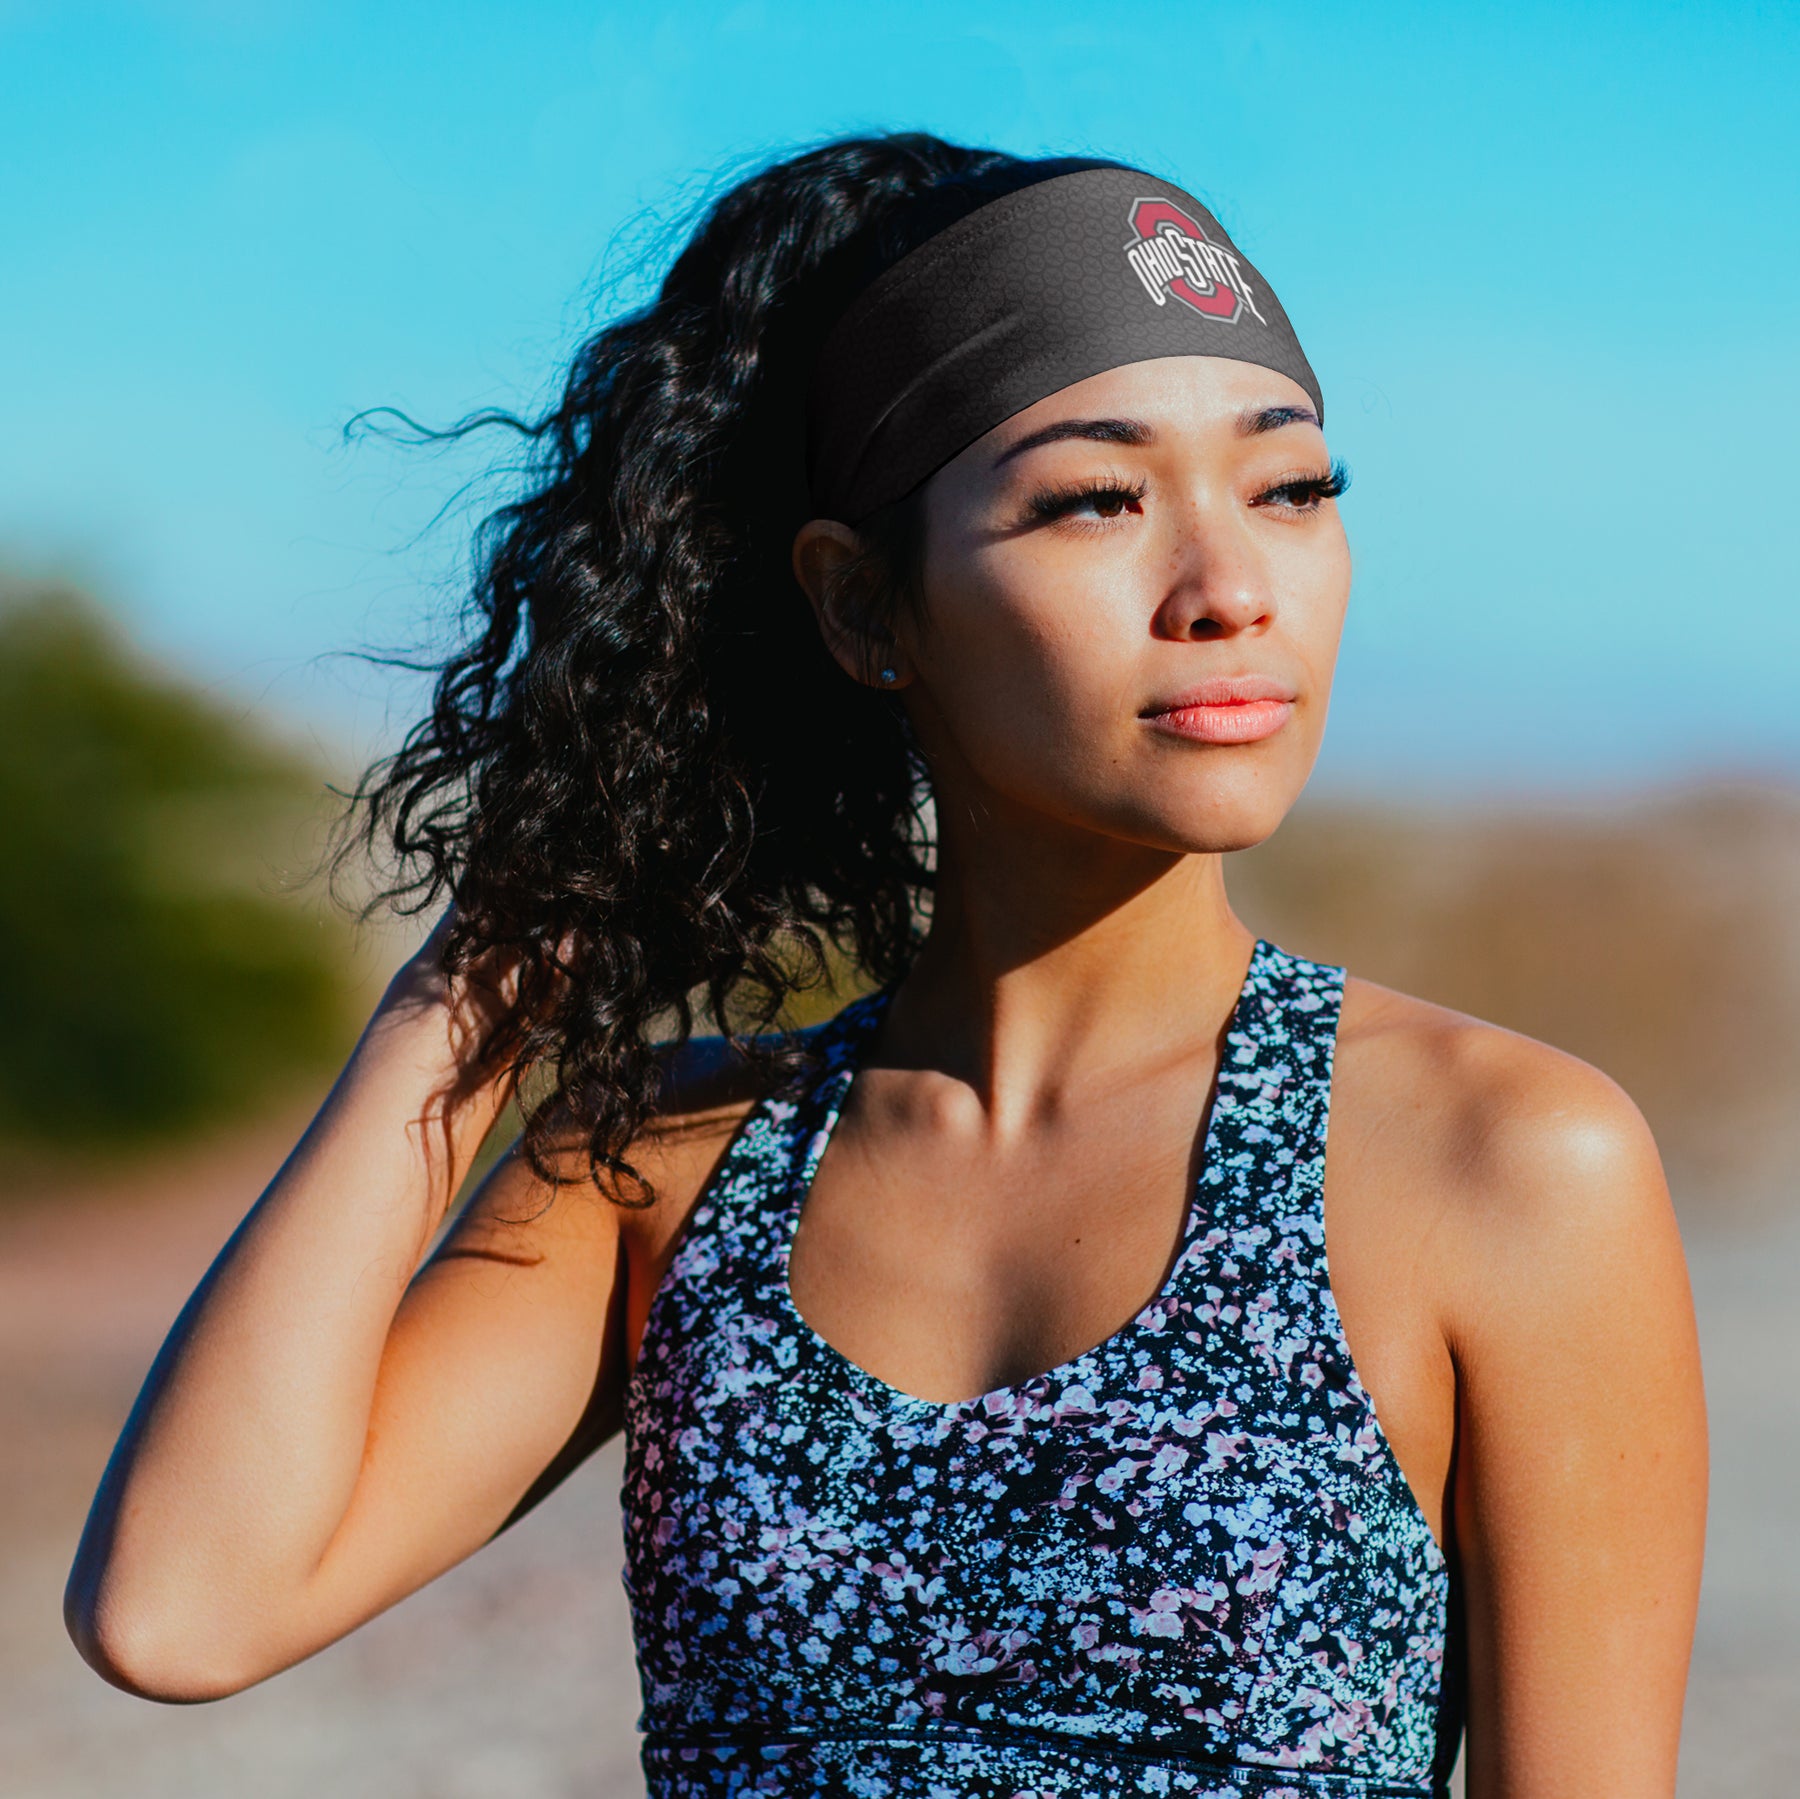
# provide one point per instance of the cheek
(1029, 663)
(1312, 585)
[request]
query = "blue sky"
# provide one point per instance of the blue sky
(1544, 259)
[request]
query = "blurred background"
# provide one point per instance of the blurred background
(1543, 259)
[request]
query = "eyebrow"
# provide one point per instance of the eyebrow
(1105, 431)
(1255, 420)
(1252, 422)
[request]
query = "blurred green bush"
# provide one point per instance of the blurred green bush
(154, 977)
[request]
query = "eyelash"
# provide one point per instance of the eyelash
(1059, 502)
(1312, 489)
(1303, 493)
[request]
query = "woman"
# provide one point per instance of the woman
(994, 1423)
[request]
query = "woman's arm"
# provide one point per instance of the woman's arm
(1580, 1484)
(328, 1426)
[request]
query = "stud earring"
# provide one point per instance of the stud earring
(888, 677)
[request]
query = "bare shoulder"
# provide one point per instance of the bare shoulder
(1523, 1163)
(708, 1090)
(1515, 1200)
(582, 1256)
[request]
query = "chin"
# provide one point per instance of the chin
(1223, 799)
(1234, 818)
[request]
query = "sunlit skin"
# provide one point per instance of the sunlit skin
(1030, 1115)
(1010, 1175)
(1075, 584)
(1006, 1186)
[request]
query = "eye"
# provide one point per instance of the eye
(1305, 493)
(1093, 500)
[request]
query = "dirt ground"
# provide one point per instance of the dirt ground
(511, 1677)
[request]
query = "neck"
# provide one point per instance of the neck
(1057, 957)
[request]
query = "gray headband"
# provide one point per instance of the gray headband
(1052, 283)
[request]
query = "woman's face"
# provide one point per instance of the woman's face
(1133, 593)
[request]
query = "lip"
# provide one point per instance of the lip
(1225, 709)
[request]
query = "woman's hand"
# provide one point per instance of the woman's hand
(465, 1027)
(328, 1425)
(469, 1004)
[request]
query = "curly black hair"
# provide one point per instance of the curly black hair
(643, 774)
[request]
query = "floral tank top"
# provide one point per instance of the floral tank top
(1184, 1563)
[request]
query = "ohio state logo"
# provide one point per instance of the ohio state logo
(1170, 254)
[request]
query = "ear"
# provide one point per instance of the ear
(829, 563)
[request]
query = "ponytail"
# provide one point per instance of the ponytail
(643, 774)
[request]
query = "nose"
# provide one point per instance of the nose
(1217, 583)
